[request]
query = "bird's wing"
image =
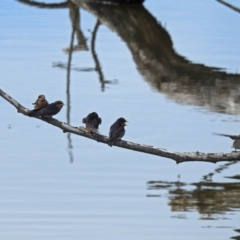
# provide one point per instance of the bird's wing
(110, 133)
(118, 133)
(227, 135)
(43, 111)
(33, 111)
(96, 122)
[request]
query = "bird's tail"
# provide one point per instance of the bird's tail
(221, 134)
(33, 112)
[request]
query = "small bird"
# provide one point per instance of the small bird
(92, 122)
(40, 102)
(117, 130)
(48, 111)
(236, 138)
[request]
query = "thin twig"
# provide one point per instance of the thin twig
(179, 157)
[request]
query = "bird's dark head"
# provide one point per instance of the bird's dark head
(41, 96)
(122, 121)
(59, 104)
(93, 115)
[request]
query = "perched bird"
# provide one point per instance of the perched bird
(117, 131)
(236, 138)
(92, 122)
(48, 111)
(40, 102)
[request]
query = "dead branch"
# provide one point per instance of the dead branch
(45, 5)
(229, 5)
(179, 157)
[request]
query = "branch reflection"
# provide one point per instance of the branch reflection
(152, 50)
(212, 200)
(96, 60)
(208, 198)
(74, 18)
(94, 54)
(75, 21)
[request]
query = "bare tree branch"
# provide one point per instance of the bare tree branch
(179, 157)
(229, 5)
(45, 5)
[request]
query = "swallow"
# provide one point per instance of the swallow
(92, 122)
(40, 102)
(117, 131)
(236, 138)
(48, 111)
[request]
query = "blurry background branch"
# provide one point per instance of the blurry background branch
(179, 157)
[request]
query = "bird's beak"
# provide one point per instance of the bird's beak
(125, 124)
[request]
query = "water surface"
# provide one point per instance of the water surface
(171, 69)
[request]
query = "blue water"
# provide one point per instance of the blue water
(103, 193)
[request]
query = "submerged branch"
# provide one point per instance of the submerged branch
(179, 157)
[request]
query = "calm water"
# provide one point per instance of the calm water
(154, 65)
